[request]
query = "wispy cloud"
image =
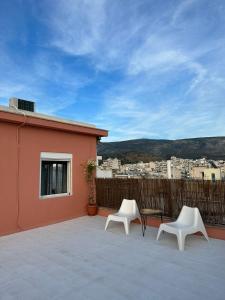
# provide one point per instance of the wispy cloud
(138, 68)
(76, 25)
(181, 8)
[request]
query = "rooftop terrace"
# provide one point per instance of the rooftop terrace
(77, 259)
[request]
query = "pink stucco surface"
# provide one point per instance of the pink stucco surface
(20, 148)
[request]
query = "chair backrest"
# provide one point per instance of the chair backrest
(188, 215)
(128, 207)
(198, 218)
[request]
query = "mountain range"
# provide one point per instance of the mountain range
(145, 150)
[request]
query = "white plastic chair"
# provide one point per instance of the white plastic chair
(128, 211)
(188, 222)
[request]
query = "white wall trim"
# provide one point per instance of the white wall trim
(56, 156)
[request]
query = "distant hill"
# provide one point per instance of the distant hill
(151, 150)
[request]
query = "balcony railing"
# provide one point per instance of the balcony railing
(166, 194)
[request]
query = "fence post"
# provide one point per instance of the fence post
(170, 188)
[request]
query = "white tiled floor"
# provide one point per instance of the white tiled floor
(77, 259)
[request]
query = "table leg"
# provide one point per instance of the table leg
(143, 225)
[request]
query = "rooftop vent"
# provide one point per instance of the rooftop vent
(22, 104)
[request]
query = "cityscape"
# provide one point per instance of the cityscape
(174, 168)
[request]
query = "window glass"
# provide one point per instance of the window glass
(54, 177)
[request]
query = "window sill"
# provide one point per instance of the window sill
(55, 196)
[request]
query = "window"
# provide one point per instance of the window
(55, 174)
(213, 177)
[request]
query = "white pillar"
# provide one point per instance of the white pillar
(169, 169)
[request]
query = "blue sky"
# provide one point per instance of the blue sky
(141, 69)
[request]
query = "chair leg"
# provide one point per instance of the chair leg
(181, 240)
(203, 231)
(126, 226)
(159, 232)
(107, 223)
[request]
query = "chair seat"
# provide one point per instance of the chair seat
(122, 215)
(175, 227)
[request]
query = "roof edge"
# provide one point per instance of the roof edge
(42, 120)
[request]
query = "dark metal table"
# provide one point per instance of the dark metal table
(148, 212)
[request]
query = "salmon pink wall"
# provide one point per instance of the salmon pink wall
(8, 178)
(23, 209)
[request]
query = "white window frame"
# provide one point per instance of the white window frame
(53, 156)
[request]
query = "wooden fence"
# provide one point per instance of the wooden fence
(166, 194)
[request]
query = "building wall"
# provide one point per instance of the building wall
(169, 173)
(103, 173)
(208, 174)
(20, 206)
(196, 172)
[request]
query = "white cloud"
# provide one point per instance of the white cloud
(182, 7)
(76, 25)
(163, 64)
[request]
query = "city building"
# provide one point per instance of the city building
(102, 173)
(175, 168)
(111, 163)
(198, 172)
(212, 174)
